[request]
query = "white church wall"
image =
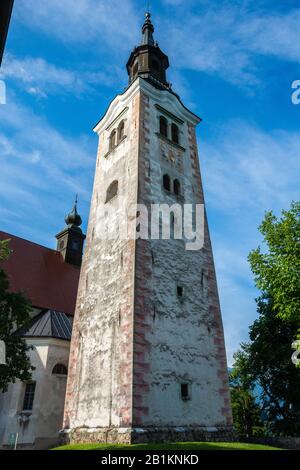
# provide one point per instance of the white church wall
(38, 428)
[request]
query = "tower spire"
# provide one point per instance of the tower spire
(70, 240)
(73, 219)
(147, 60)
(148, 30)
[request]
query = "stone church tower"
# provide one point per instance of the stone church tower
(147, 359)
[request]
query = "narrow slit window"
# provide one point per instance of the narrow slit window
(180, 291)
(184, 391)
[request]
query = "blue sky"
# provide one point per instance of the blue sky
(232, 62)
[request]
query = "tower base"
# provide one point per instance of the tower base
(137, 435)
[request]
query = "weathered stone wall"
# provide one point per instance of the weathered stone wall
(150, 434)
(99, 392)
(176, 340)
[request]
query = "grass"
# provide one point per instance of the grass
(172, 446)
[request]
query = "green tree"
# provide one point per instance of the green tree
(277, 271)
(4, 249)
(264, 364)
(14, 314)
(246, 412)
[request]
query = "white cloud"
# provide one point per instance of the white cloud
(96, 22)
(41, 171)
(247, 168)
(246, 171)
(273, 34)
(217, 37)
(41, 78)
(226, 38)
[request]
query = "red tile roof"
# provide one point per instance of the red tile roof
(41, 274)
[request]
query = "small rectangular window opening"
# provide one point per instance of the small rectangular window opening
(180, 291)
(184, 390)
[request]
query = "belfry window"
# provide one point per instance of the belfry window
(177, 187)
(175, 133)
(121, 131)
(167, 182)
(163, 126)
(155, 65)
(135, 70)
(113, 140)
(112, 191)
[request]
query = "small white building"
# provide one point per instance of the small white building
(32, 412)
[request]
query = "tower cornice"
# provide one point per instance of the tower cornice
(166, 97)
(113, 110)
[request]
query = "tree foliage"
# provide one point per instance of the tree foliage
(14, 314)
(264, 365)
(278, 270)
(246, 411)
(5, 251)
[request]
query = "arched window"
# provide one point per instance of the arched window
(60, 369)
(163, 126)
(175, 134)
(177, 187)
(166, 182)
(112, 191)
(121, 131)
(113, 140)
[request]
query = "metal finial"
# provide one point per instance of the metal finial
(73, 218)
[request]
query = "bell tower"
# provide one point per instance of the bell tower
(147, 360)
(71, 239)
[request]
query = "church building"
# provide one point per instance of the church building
(31, 413)
(147, 359)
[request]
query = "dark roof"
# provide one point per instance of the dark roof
(41, 273)
(5, 14)
(48, 324)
